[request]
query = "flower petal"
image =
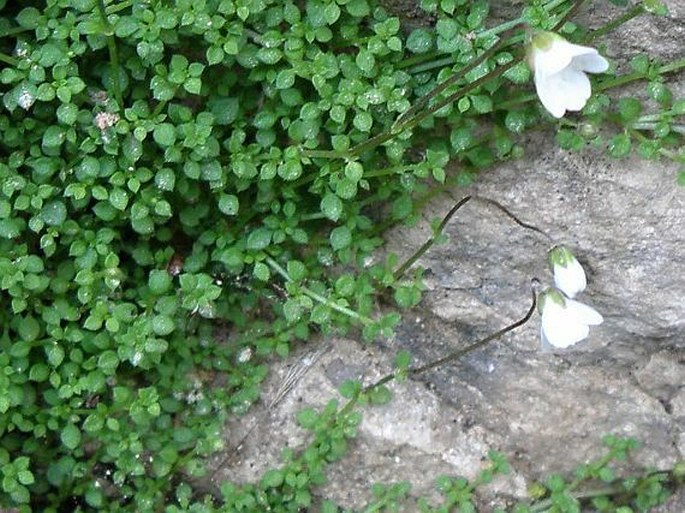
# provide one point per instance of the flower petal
(590, 62)
(554, 58)
(567, 90)
(563, 334)
(553, 102)
(561, 329)
(544, 341)
(583, 313)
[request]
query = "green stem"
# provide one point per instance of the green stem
(649, 126)
(427, 66)
(634, 12)
(632, 77)
(416, 60)
(518, 21)
(318, 298)
(424, 62)
(672, 66)
(113, 54)
(662, 151)
(14, 31)
(326, 154)
(569, 14)
(8, 60)
(418, 105)
(614, 488)
(416, 119)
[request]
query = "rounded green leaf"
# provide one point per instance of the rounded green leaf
(164, 134)
(420, 41)
(29, 329)
(159, 281)
(54, 213)
(341, 237)
(162, 325)
(71, 436)
(331, 206)
(228, 204)
(259, 239)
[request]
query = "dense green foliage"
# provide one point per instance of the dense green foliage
(160, 180)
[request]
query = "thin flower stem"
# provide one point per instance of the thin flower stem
(615, 488)
(416, 60)
(672, 66)
(326, 154)
(455, 355)
(426, 245)
(518, 21)
(318, 298)
(415, 120)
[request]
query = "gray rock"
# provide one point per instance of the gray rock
(625, 221)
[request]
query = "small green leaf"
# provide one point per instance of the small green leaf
(362, 121)
(259, 239)
(358, 8)
(296, 270)
(71, 436)
(228, 204)
(331, 206)
(55, 354)
(164, 134)
(54, 136)
(29, 329)
(341, 237)
(163, 325)
(629, 108)
(403, 359)
(420, 41)
(619, 146)
(292, 310)
(261, 271)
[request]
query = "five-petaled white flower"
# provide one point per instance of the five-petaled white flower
(564, 321)
(560, 71)
(569, 276)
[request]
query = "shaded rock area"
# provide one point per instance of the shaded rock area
(546, 411)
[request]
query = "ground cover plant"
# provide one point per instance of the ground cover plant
(171, 169)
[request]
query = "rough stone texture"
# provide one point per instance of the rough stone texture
(625, 220)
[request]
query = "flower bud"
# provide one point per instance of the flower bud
(569, 276)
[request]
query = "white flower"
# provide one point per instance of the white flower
(564, 321)
(559, 68)
(569, 276)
